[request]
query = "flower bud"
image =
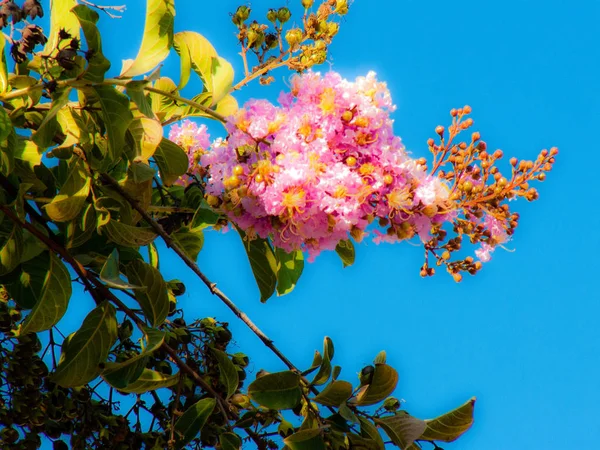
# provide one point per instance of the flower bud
(293, 37)
(243, 12)
(341, 7)
(391, 404)
(284, 14)
(272, 15)
(307, 3)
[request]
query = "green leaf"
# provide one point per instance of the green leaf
(61, 18)
(289, 269)
(150, 380)
(382, 385)
(222, 79)
(123, 234)
(28, 152)
(121, 374)
(450, 426)
(189, 240)
(74, 127)
(154, 300)
(164, 107)
(111, 275)
(380, 358)
(228, 374)
(153, 255)
(147, 135)
(80, 360)
(172, 161)
(3, 66)
(402, 428)
(6, 127)
(80, 231)
(157, 39)
(361, 443)
(367, 429)
(306, 440)
(335, 393)
(325, 370)
(136, 92)
(227, 106)
(53, 299)
(46, 130)
(279, 390)
(196, 53)
(193, 419)
(230, 441)
(11, 246)
(97, 64)
(263, 264)
(117, 117)
(67, 204)
(345, 250)
(317, 360)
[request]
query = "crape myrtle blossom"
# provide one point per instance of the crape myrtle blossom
(319, 168)
(325, 164)
(195, 140)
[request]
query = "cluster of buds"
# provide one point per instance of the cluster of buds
(479, 194)
(325, 166)
(66, 51)
(306, 45)
(10, 11)
(31, 35)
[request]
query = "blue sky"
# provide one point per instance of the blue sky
(522, 334)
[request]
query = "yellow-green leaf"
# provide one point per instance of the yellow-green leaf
(61, 18)
(230, 441)
(306, 440)
(196, 53)
(345, 250)
(172, 161)
(53, 300)
(154, 300)
(123, 234)
(222, 79)
(67, 204)
(3, 66)
(11, 246)
(334, 394)
(402, 428)
(193, 419)
(382, 385)
(263, 263)
(118, 374)
(450, 426)
(279, 390)
(157, 39)
(289, 269)
(189, 240)
(150, 380)
(97, 64)
(80, 360)
(228, 375)
(111, 275)
(147, 134)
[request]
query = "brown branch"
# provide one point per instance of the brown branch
(100, 292)
(107, 179)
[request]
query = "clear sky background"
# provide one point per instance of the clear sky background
(522, 335)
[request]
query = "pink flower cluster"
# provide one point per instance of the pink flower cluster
(320, 167)
(195, 140)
